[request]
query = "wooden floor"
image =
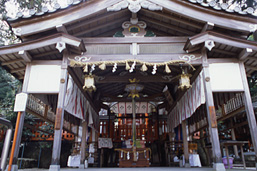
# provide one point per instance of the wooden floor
(137, 169)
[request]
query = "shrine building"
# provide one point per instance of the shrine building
(139, 83)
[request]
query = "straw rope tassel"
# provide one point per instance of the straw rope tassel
(144, 67)
(167, 69)
(127, 66)
(102, 66)
(86, 68)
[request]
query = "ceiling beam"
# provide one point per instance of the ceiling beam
(25, 55)
(245, 53)
(250, 58)
(17, 70)
(141, 78)
(62, 29)
(166, 25)
(141, 99)
(53, 52)
(207, 26)
(170, 17)
(251, 67)
(11, 62)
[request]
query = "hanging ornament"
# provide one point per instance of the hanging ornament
(154, 69)
(102, 66)
(86, 68)
(121, 154)
(89, 84)
(128, 157)
(167, 69)
(144, 67)
(133, 66)
(114, 67)
(127, 66)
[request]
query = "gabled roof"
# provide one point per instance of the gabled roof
(193, 18)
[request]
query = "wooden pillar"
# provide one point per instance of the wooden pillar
(233, 136)
(185, 143)
(211, 116)
(55, 163)
(249, 110)
(83, 145)
(19, 136)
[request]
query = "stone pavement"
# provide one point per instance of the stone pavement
(137, 169)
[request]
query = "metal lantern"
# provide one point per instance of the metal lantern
(184, 81)
(89, 84)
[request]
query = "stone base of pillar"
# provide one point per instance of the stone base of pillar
(14, 167)
(219, 167)
(54, 168)
(81, 166)
(187, 165)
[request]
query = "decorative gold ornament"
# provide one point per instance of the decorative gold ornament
(89, 84)
(134, 88)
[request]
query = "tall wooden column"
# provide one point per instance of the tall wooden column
(83, 145)
(233, 136)
(211, 115)
(185, 143)
(55, 163)
(249, 110)
(19, 136)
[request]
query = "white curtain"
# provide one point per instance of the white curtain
(187, 105)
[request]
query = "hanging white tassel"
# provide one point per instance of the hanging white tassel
(92, 68)
(154, 69)
(133, 66)
(114, 67)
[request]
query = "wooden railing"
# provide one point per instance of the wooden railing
(36, 107)
(233, 104)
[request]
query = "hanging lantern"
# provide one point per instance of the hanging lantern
(184, 81)
(89, 84)
(134, 88)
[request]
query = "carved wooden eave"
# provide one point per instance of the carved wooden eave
(211, 37)
(45, 41)
(194, 12)
(14, 57)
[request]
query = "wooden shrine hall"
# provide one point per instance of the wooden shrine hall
(139, 83)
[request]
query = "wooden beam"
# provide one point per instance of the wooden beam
(170, 17)
(59, 118)
(249, 108)
(85, 31)
(141, 99)
(62, 29)
(224, 52)
(53, 52)
(25, 55)
(17, 70)
(152, 58)
(223, 39)
(211, 115)
(11, 62)
(169, 26)
(250, 58)
(70, 15)
(244, 53)
(125, 79)
(207, 26)
(185, 143)
(42, 42)
(203, 14)
(251, 67)
(129, 40)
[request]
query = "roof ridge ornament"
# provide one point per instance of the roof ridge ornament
(134, 6)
